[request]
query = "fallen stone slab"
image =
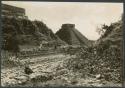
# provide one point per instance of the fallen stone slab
(40, 77)
(22, 79)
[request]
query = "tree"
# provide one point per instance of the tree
(100, 31)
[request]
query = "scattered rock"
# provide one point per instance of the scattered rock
(98, 76)
(40, 77)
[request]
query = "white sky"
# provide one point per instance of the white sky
(86, 16)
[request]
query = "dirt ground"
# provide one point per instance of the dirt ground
(49, 71)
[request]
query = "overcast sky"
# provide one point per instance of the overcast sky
(86, 16)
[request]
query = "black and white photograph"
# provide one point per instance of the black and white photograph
(61, 44)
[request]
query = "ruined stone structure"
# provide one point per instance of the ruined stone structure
(72, 36)
(12, 11)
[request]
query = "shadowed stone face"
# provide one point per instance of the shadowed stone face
(68, 26)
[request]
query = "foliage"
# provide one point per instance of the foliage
(104, 58)
(25, 32)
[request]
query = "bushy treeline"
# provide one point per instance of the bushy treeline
(23, 31)
(104, 58)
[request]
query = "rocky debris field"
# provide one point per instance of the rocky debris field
(106, 66)
(49, 71)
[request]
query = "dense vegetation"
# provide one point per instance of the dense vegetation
(25, 32)
(104, 58)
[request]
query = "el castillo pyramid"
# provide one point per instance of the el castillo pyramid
(72, 36)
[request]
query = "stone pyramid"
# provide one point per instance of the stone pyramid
(72, 36)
